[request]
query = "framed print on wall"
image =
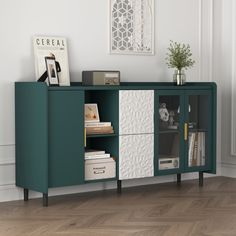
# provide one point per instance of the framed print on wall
(132, 27)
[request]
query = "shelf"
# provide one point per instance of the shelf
(169, 131)
(100, 135)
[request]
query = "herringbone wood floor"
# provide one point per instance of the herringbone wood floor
(158, 210)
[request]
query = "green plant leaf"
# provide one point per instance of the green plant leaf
(179, 56)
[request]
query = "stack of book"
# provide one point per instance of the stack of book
(196, 152)
(91, 154)
(99, 128)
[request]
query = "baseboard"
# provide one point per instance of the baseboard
(228, 170)
(10, 192)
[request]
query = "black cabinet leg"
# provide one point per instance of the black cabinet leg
(200, 178)
(178, 178)
(118, 186)
(26, 194)
(45, 199)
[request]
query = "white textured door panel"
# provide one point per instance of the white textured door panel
(136, 111)
(136, 156)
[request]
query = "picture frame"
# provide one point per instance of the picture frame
(91, 113)
(131, 27)
(52, 71)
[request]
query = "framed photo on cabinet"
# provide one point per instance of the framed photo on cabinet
(52, 71)
(91, 112)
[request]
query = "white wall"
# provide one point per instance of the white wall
(85, 24)
(225, 75)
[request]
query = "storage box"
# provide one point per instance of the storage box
(100, 169)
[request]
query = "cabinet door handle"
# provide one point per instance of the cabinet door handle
(185, 131)
(98, 172)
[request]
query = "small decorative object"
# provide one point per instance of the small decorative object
(56, 47)
(179, 57)
(164, 114)
(51, 71)
(132, 27)
(91, 112)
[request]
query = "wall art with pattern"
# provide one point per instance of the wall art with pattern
(132, 27)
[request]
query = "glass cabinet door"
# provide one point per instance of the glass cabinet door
(197, 129)
(169, 123)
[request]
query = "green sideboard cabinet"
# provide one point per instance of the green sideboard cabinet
(159, 129)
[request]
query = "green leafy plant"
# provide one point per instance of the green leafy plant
(179, 56)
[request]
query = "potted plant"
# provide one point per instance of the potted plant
(179, 57)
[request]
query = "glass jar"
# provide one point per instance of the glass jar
(179, 77)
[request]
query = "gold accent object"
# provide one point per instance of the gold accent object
(85, 137)
(185, 131)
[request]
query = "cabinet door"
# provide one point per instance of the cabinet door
(136, 156)
(136, 111)
(169, 143)
(198, 129)
(66, 138)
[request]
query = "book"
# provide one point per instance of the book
(100, 156)
(97, 124)
(55, 48)
(202, 143)
(195, 148)
(190, 150)
(100, 130)
(196, 152)
(199, 150)
(90, 152)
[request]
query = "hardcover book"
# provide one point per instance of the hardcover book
(90, 152)
(97, 124)
(100, 130)
(56, 49)
(100, 156)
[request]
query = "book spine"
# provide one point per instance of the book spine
(107, 155)
(99, 124)
(94, 153)
(203, 149)
(199, 149)
(99, 130)
(191, 149)
(194, 162)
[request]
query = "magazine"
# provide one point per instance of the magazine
(56, 49)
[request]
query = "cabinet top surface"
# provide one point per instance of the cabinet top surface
(126, 85)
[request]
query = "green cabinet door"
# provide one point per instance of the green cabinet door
(66, 138)
(198, 117)
(31, 110)
(169, 126)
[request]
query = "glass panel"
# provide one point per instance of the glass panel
(198, 130)
(169, 134)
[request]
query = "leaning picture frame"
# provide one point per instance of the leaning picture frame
(52, 71)
(91, 113)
